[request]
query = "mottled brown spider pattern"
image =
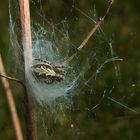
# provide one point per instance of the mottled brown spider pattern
(48, 72)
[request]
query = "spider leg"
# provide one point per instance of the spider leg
(41, 60)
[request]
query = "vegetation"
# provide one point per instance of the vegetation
(117, 115)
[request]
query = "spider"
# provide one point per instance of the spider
(48, 72)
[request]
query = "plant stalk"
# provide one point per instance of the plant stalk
(30, 115)
(11, 102)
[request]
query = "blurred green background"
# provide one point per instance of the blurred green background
(110, 120)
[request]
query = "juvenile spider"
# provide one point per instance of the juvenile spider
(48, 72)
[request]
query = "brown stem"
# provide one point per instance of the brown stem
(27, 47)
(26, 30)
(13, 79)
(91, 33)
(10, 100)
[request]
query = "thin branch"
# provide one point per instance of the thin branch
(26, 31)
(31, 129)
(11, 103)
(94, 29)
(13, 79)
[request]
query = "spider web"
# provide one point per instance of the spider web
(84, 88)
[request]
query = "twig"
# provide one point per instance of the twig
(94, 29)
(10, 100)
(31, 129)
(26, 30)
(13, 79)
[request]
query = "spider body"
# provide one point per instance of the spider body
(48, 72)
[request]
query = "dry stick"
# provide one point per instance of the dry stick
(94, 29)
(26, 29)
(11, 103)
(27, 46)
(13, 79)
